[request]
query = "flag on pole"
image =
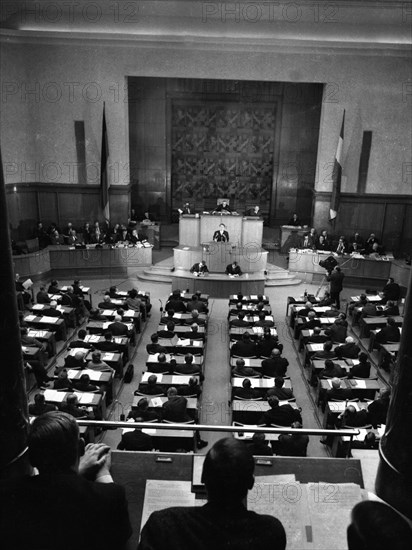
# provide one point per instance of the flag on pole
(337, 176)
(104, 176)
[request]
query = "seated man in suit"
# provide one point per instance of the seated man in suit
(233, 269)
(254, 211)
(303, 311)
(40, 406)
(244, 347)
(293, 444)
(378, 409)
(263, 322)
(369, 310)
(154, 346)
(276, 365)
(240, 320)
(326, 353)
(42, 296)
(176, 303)
(221, 235)
(351, 417)
(191, 389)
(294, 220)
(391, 291)
(62, 382)
(108, 344)
(349, 349)
(311, 323)
(241, 370)
(80, 343)
(235, 310)
(332, 370)
(198, 304)
(168, 316)
(390, 333)
(152, 387)
(71, 406)
(72, 479)
(223, 207)
(338, 331)
(342, 246)
(162, 365)
(143, 413)
(283, 394)
(362, 369)
(136, 440)
(224, 521)
(175, 408)
(107, 303)
(118, 328)
(336, 393)
(75, 361)
(84, 384)
(96, 363)
(188, 367)
(307, 242)
(281, 415)
(326, 300)
(258, 445)
(193, 333)
(317, 337)
(169, 332)
(246, 391)
(267, 343)
(195, 319)
(51, 311)
(199, 268)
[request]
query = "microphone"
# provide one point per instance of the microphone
(161, 304)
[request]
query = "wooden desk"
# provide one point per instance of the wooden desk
(364, 389)
(126, 464)
(156, 403)
(167, 380)
(309, 350)
(121, 341)
(169, 441)
(50, 324)
(388, 349)
(113, 359)
(186, 317)
(152, 359)
(86, 399)
(100, 327)
(260, 383)
(180, 329)
(69, 313)
(236, 333)
(218, 285)
(251, 299)
(44, 336)
(324, 322)
(192, 346)
(251, 319)
(369, 323)
(250, 412)
(254, 363)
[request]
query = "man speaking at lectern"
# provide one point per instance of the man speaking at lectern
(221, 235)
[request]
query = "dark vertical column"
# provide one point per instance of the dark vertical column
(394, 477)
(80, 151)
(13, 402)
(364, 161)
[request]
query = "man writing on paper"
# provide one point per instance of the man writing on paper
(224, 521)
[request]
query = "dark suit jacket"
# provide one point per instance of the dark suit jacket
(155, 348)
(118, 328)
(34, 512)
(230, 270)
(336, 281)
(51, 312)
(276, 366)
(361, 370)
(337, 371)
(292, 445)
(107, 346)
(341, 393)
(283, 415)
(388, 334)
(80, 344)
(135, 441)
(243, 349)
(239, 323)
(337, 333)
(174, 409)
(259, 449)
(221, 237)
(281, 393)
(392, 291)
(351, 351)
(177, 305)
(198, 269)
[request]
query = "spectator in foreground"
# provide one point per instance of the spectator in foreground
(74, 482)
(224, 521)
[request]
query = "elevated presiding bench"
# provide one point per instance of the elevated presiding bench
(219, 285)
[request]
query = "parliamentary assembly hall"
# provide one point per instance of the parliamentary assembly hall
(206, 242)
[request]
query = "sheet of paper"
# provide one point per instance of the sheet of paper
(281, 496)
(155, 402)
(108, 356)
(92, 338)
(361, 384)
(184, 342)
(38, 306)
(54, 395)
(330, 505)
(46, 319)
(29, 318)
(85, 398)
(160, 494)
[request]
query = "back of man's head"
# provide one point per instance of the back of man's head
(240, 362)
(391, 322)
(143, 404)
(171, 312)
(349, 340)
(279, 382)
(317, 330)
(170, 326)
(241, 315)
(247, 383)
(329, 364)
(171, 392)
(53, 442)
(336, 383)
(195, 314)
(72, 399)
(327, 346)
(228, 471)
(275, 352)
(85, 379)
(117, 318)
(81, 334)
(161, 358)
(108, 336)
(311, 314)
(273, 401)
(154, 338)
(188, 358)
(377, 526)
(152, 379)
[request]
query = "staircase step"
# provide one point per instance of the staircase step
(154, 277)
(279, 275)
(283, 282)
